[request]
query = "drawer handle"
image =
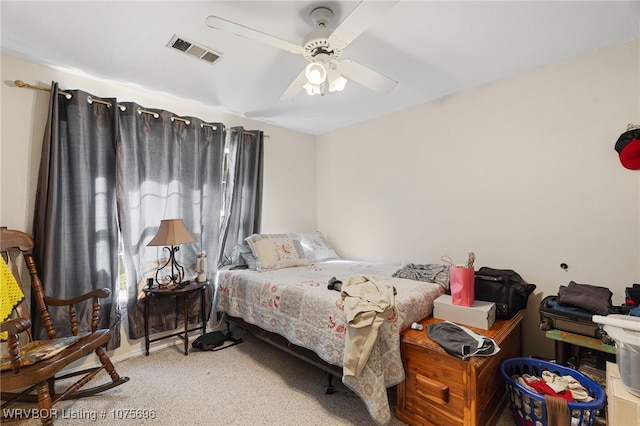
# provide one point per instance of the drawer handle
(432, 389)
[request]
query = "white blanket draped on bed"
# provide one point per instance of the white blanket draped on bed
(295, 303)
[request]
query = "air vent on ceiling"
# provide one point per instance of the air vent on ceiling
(194, 49)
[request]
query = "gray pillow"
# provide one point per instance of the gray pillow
(242, 255)
(249, 259)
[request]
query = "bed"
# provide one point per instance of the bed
(292, 307)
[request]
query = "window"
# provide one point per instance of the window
(122, 275)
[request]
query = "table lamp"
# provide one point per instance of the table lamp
(172, 232)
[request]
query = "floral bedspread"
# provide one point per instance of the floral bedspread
(296, 303)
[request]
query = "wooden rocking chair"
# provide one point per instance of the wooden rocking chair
(36, 364)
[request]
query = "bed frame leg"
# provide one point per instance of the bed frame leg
(328, 389)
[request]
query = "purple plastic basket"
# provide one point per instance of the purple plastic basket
(529, 408)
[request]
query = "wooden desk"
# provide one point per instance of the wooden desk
(183, 292)
(440, 389)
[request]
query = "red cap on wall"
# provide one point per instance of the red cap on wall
(628, 148)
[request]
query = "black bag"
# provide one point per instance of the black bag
(214, 340)
(505, 288)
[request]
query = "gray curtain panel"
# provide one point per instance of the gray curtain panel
(104, 166)
(75, 227)
(243, 194)
(167, 168)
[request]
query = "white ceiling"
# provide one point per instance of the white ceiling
(432, 48)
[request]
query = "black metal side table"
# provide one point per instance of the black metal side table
(184, 292)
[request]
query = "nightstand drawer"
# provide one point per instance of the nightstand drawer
(432, 390)
(434, 383)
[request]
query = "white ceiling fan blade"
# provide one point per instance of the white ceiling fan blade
(366, 76)
(362, 17)
(294, 88)
(250, 33)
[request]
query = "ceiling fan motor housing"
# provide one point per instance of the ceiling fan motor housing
(316, 43)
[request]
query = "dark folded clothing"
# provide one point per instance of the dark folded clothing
(633, 293)
(588, 297)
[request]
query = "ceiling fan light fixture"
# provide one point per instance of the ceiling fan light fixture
(316, 73)
(336, 81)
(314, 89)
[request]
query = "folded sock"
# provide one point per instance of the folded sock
(335, 284)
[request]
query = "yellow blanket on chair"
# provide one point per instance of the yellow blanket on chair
(10, 294)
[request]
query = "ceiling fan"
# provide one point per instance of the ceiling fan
(322, 48)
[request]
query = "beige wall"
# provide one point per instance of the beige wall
(289, 175)
(521, 171)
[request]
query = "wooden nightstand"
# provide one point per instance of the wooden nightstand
(440, 389)
(183, 292)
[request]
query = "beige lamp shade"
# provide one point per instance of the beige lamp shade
(172, 232)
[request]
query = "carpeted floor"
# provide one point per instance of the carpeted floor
(251, 383)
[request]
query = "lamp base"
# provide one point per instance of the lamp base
(174, 280)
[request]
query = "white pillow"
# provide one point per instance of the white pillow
(316, 247)
(275, 251)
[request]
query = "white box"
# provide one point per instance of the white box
(623, 407)
(480, 314)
